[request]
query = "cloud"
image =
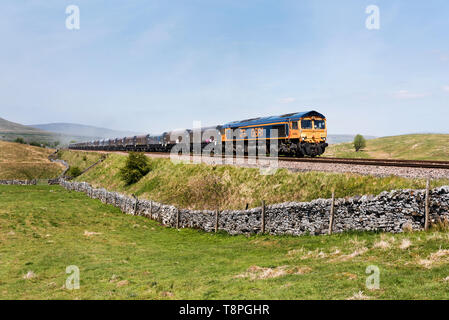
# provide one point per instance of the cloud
(405, 94)
(446, 88)
(287, 100)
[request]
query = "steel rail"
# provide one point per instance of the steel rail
(374, 162)
(425, 164)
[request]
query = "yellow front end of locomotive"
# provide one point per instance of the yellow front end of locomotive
(312, 130)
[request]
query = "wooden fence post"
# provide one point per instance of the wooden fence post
(151, 209)
(331, 215)
(263, 217)
(427, 209)
(136, 204)
(177, 218)
(216, 221)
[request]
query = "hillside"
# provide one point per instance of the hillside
(24, 162)
(412, 147)
(12, 127)
(73, 129)
(63, 133)
(10, 131)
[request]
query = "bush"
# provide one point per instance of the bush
(359, 142)
(35, 144)
(136, 167)
(74, 172)
(20, 140)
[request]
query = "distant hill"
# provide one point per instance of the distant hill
(411, 146)
(12, 127)
(64, 133)
(73, 129)
(10, 131)
(340, 138)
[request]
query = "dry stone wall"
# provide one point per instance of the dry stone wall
(19, 182)
(390, 212)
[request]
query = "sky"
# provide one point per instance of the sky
(152, 66)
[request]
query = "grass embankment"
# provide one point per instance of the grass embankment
(21, 161)
(407, 147)
(79, 159)
(203, 186)
(130, 257)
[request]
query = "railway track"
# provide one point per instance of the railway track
(424, 164)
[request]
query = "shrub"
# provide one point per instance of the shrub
(20, 140)
(74, 172)
(136, 167)
(35, 144)
(359, 142)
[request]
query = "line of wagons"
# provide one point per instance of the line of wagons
(298, 134)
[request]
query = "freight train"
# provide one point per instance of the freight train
(298, 134)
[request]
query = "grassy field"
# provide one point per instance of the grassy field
(21, 161)
(412, 147)
(227, 187)
(128, 257)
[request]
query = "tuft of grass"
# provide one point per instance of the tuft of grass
(130, 257)
(201, 186)
(411, 147)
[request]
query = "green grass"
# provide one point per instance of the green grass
(79, 159)
(411, 147)
(203, 186)
(42, 229)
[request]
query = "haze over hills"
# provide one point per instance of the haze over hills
(10, 131)
(67, 132)
(12, 127)
(64, 133)
(74, 129)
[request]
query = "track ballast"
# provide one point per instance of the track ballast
(424, 164)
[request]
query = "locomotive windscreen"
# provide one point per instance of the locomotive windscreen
(319, 124)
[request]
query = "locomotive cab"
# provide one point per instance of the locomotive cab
(313, 130)
(313, 135)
